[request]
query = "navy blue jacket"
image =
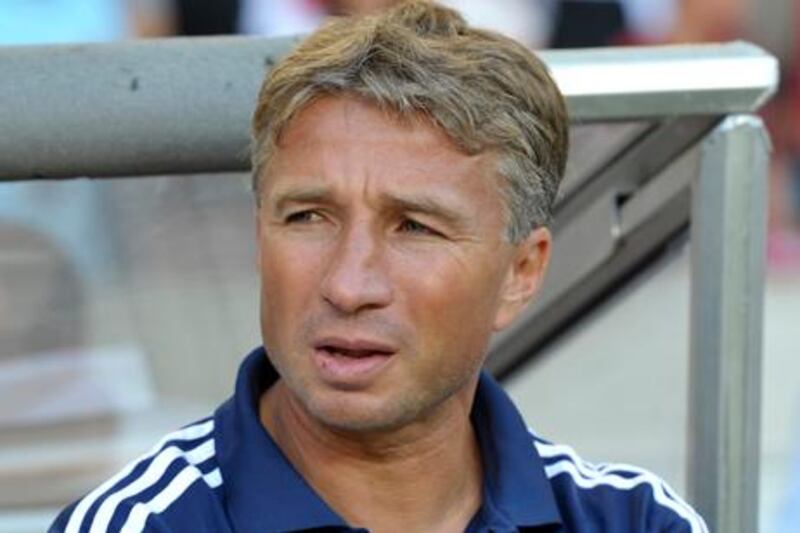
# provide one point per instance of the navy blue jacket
(225, 474)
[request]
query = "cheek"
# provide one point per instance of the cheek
(288, 278)
(453, 301)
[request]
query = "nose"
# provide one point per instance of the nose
(356, 278)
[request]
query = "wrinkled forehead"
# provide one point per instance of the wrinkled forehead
(348, 108)
(344, 122)
(348, 121)
(343, 144)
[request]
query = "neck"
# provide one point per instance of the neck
(423, 477)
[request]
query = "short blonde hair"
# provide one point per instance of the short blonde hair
(486, 91)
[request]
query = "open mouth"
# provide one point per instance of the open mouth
(337, 351)
(351, 363)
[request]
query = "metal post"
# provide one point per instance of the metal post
(728, 255)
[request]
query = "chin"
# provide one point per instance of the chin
(359, 415)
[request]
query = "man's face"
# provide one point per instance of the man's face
(384, 266)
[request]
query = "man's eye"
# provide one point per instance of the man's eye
(412, 226)
(302, 217)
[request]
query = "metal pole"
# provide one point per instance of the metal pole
(183, 105)
(728, 255)
(179, 105)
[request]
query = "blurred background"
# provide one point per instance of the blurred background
(126, 305)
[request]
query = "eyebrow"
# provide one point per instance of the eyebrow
(411, 203)
(428, 206)
(296, 195)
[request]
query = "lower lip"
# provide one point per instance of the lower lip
(349, 371)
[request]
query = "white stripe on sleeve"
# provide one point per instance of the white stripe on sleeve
(161, 501)
(588, 476)
(149, 477)
(193, 432)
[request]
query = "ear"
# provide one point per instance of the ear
(524, 276)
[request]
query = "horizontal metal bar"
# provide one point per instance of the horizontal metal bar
(172, 106)
(640, 82)
(182, 105)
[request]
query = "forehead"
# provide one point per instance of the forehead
(352, 118)
(350, 136)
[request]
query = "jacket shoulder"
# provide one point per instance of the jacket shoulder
(179, 474)
(613, 497)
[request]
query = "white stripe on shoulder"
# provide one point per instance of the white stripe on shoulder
(213, 479)
(155, 470)
(587, 475)
(195, 431)
(161, 501)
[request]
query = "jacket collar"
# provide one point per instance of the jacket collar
(265, 493)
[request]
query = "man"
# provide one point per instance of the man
(405, 165)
